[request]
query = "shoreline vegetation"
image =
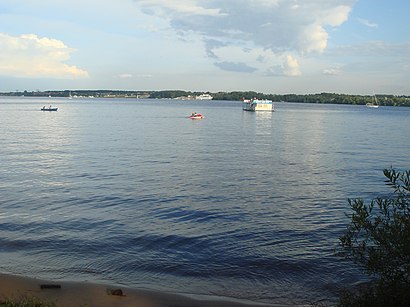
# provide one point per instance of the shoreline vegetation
(26, 291)
(326, 98)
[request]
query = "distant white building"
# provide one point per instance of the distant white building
(204, 97)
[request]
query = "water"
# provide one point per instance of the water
(244, 205)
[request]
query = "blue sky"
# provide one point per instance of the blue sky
(270, 46)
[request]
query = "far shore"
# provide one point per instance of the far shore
(71, 294)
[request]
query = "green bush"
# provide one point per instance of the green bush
(378, 240)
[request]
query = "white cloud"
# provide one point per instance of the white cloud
(235, 66)
(125, 76)
(291, 66)
(30, 56)
(334, 16)
(332, 71)
(313, 38)
(367, 23)
(278, 26)
(373, 49)
(179, 6)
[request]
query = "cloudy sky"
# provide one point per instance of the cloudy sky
(271, 46)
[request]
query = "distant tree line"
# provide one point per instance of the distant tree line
(331, 98)
(80, 93)
(383, 100)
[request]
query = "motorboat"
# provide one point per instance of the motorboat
(195, 115)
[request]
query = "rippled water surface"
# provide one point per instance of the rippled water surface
(240, 204)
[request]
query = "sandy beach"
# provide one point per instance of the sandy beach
(70, 294)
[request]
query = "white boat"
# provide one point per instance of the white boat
(373, 104)
(258, 105)
(369, 105)
(204, 97)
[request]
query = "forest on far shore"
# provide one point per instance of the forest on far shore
(333, 98)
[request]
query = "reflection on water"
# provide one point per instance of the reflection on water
(263, 115)
(263, 123)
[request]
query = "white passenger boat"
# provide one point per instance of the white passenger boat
(258, 105)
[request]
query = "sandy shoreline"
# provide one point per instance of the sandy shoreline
(70, 294)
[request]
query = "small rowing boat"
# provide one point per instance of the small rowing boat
(49, 109)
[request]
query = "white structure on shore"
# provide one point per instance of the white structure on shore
(204, 97)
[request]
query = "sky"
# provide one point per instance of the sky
(269, 46)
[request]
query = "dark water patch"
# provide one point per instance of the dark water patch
(194, 216)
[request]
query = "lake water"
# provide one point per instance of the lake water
(239, 204)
